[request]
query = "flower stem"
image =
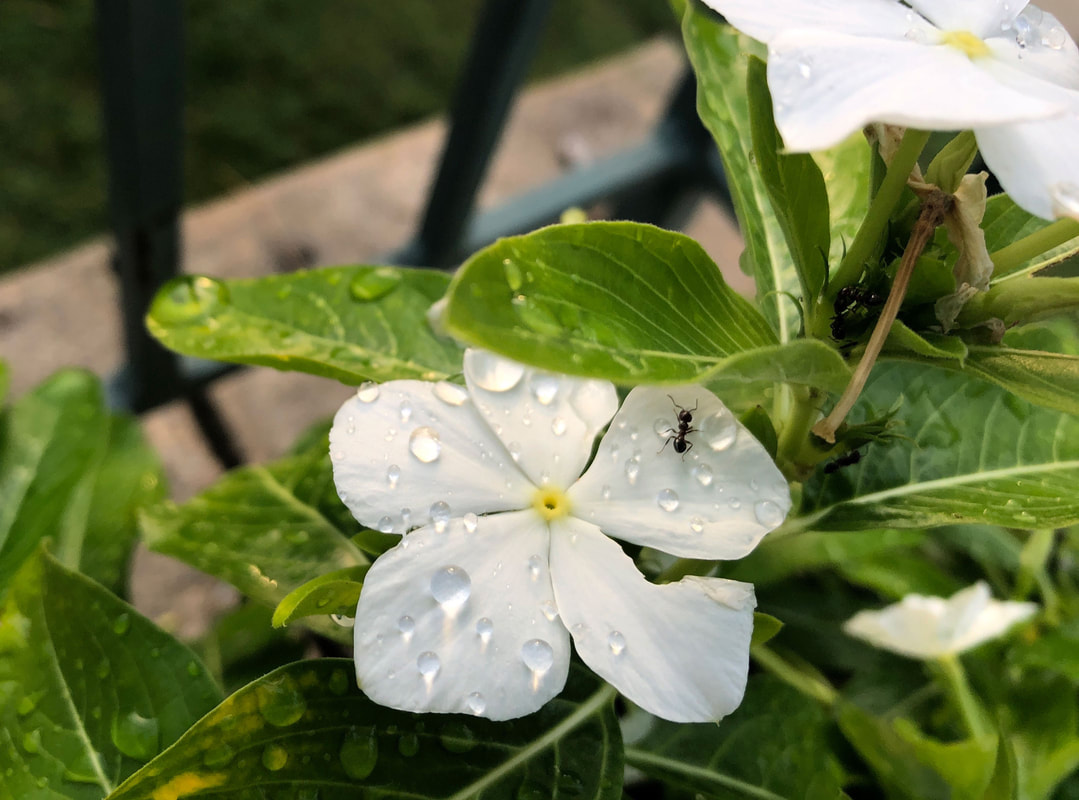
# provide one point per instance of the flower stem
(815, 687)
(970, 710)
(880, 211)
(934, 208)
(1009, 259)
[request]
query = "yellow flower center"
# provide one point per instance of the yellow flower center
(967, 43)
(551, 503)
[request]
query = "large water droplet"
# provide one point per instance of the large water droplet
(451, 393)
(704, 475)
(719, 430)
(189, 298)
(544, 387)
(428, 665)
(594, 401)
(450, 587)
(218, 755)
(367, 392)
(537, 655)
(424, 444)
(406, 625)
(476, 703)
(484, 629)
(494, 373)
(1055, 37)
(440, 515)
(385, 525)
(667, 499)
(549, 611)
(471, 522)
(136, 736)
(617, 642)
(280, 701)
(372, 283)
(274, 757)
(768, 514)
(359, 752)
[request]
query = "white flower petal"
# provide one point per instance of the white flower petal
(932, 627)
(1037, 163)
(1043, 50)
(765, 20)
(680, 651)
(980, 17)
(401, 448)
(827, 85)
(716, 500)
(546, 421)
(463, 621)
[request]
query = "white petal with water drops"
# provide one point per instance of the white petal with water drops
(467, 611)
(708, 504)
(547, 421)
(766, 20)
(443, 451)
(680, 650)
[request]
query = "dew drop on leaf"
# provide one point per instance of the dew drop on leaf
(280, 701)
(274, 757)
(359, 752)
(339, 682)
(373, 283)
(408, 745)
(121, 624)
(135, 736)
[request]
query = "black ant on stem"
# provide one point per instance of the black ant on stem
(851, 306)
(685, 417)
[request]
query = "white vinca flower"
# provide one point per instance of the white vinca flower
(934, 627)
(1005, 69)
(506, 558)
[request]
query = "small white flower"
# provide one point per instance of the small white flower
(932, 627)
(1003, 68)
(474, 609)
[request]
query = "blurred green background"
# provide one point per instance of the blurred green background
(270, 84)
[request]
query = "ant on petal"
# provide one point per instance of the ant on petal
(685, 417)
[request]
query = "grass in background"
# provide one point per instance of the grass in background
(270, 84)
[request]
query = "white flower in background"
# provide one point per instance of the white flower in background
(932, 627)
(1005, 69)
(474, 609)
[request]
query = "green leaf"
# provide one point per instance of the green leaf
(1045, 379)
(847, 171)
(895, 575)
(1044, 722)
(616, 300)
(264, 529)
(719, 57)
(348, 323)
(50, 448)
(974, 453)
(910, 764)
(336, 592)
(89, 690)
(307, 728)
(1056, 651)
(795, 185)
(774, 746)
(952, 162)
(765, 628)
(809, 362)
(926, 345)
(1006, 223)
(5, 380)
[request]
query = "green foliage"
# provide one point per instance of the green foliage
(89, 690)
(307, 728)
(774, 746)
(622, 301)
(71, 472)
(335, 592)
(1005, 223)
(974, 453)
(348, 323)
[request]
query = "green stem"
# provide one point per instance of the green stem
(1009, 259)
(802, 413)
(811, 686)
(880, 211)
(970, 710)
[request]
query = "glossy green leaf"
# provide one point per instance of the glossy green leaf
(809, 362)
(847, 171)
(973, 453)
(336, 592)
(952, 162)
(773, 747)
(307, 728)
(765, 628)
(264, 529)
(616, 300)
(50, 448)
(1006, 223)
(348, 323)
(719, 56)
(910, 764)
(926, 345)
(795, 185)
(89, 690)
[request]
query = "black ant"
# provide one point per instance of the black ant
(846, 303)
(685, 416)
(845, 460)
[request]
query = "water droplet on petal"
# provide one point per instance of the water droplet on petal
(719, 430)
(407, 626)
(367, 392)
(633, 469)
(385, 525)
(450, 587)
(424, 444)
(494, 373)
(515, 451)
(428, 664)
(476, 703)
(537, 655)
(667, 499)
(768, 514)
(558, 426)
(617, 642)
(549, 611)
(1055, 38)
(406, 411)
(544, 387)
(393, 474)
(704, 475)
(440, 515)
(605, 492)
(471, 522)
(535, 564)
(451, 393)
(484, 629)
(696, 524)
(662, 428)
